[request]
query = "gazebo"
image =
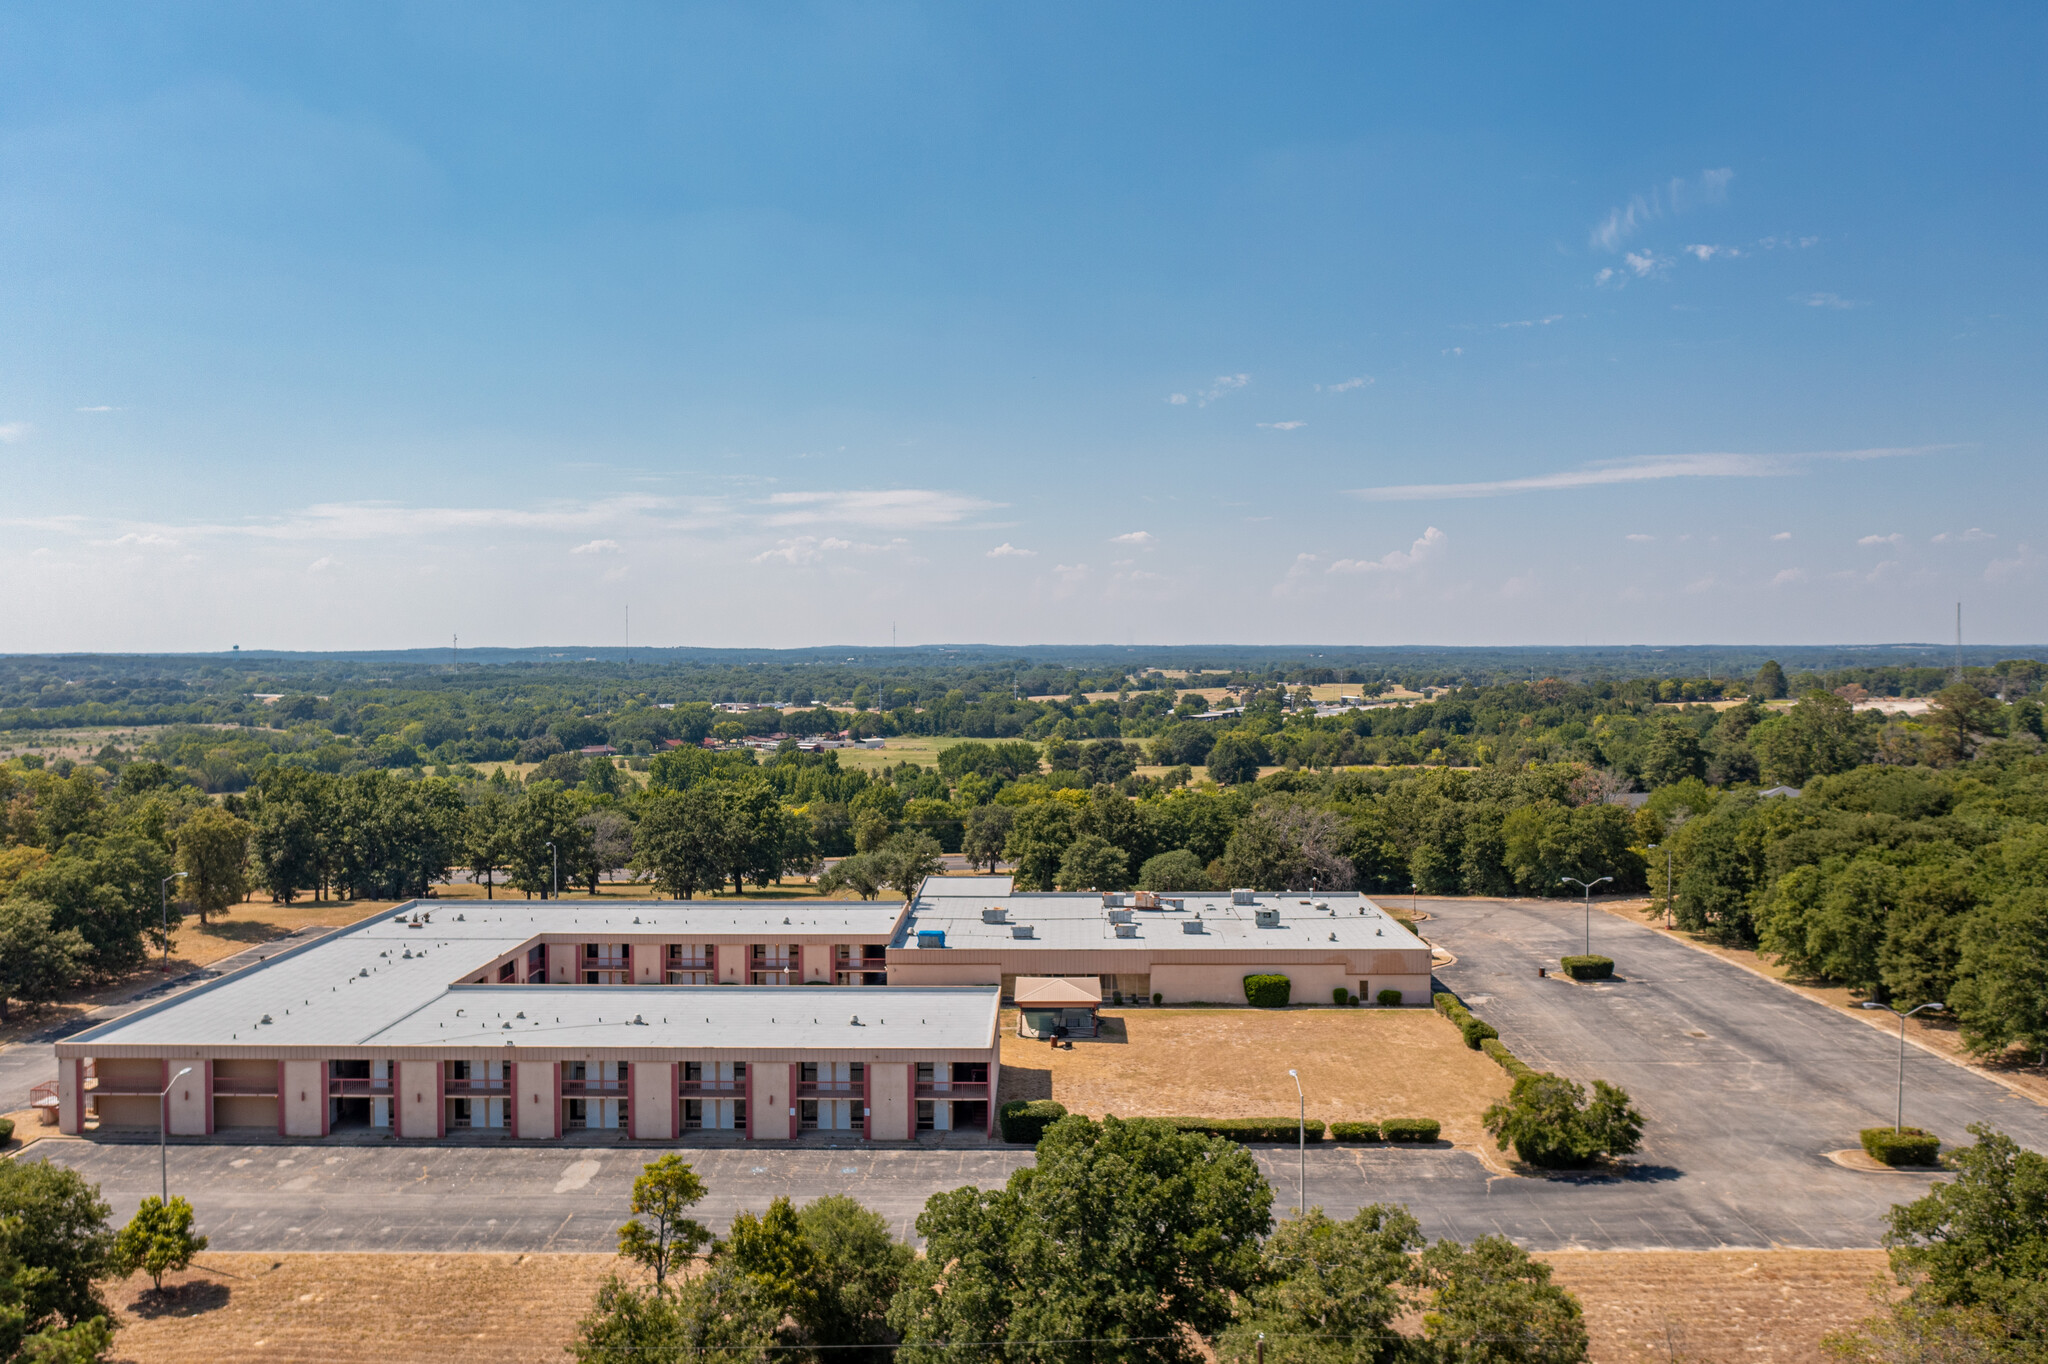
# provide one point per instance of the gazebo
(1048, 1002)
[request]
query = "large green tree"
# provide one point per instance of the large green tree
(1328, 1292)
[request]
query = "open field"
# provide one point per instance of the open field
(921, 749)
(397, 1309)
(1232, 1063)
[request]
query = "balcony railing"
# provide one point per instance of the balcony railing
(952, 1089)
(254, 1088)
(475, 1084)
(810, 1089)
(357, 1087)
(691, 964)
(123, 1088)
(692, 1088)
(607, 963)
(581, 1087)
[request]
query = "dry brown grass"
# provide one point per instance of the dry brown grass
(1705, 1308)
(376, 1309)
(1355, 1064)
(1723, 1305)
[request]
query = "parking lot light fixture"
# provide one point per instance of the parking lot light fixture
(1586, 886)
(1301, 1142)
(1899, 1117)
(163, 1125)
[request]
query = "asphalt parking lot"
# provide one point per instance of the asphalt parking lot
(1746, 1086)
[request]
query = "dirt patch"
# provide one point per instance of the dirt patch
(2019, 1071)
(1355, 1064)
(1674, 1307)
(340, 1309)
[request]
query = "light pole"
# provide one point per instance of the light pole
(557, 860)
(164, 892)
(1899, 1118)
(1301, 1142)
(1588, 888)
(163, 1125)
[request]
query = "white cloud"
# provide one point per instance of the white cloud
(1672, 197)
(1787, 243)
(1785, 577)
(1144, 538)
(1530, 322)
(1819, 300)
(1427, 546)
(322, 564)
(1974, 535)
(1604, 278)
(1639, 539)
(1221, 386)
(1345, 387)
(1646, 263)
(1282, 426)
(1006, 550)
(101, 408)
(10, 432)
(1178, 399)
(139, 538)
(1706, 253)
(597, 547)
(1782, 536)
(2022, 561)
(1643, 469)
(1071, 572)
(1892, 539)
(1455, 350)
(894, 509)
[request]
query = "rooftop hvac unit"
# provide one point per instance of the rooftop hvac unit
(1146, 899)
(1267, 918)
(1127, 930)
(1111, 900)
(995, 916)
(1119, 916)
(1241, 897)
(931, 937)
(1193, 925)
(1020, 930)
(1175, 904)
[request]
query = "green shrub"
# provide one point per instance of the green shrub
(1353, 1001)
(1476, 1031)
(1587, 968)
(1250, 1129)
(1445, 1002)
(1354, 1131)
(1389, 998)
(1266, 992)
(6, 1130)
(1508, 1061)
(1906, 1146)
(1340, 996)
(1024, 1120)
(1410, 1129)
(1158, 998)
(1551, 1125)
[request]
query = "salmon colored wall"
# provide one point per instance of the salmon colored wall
(244, 1110)
(305, 1098)
(533, 1094)
(189, 1100)
(419, 1099)
(964, 974)
(654, 1100)
(889, 1098)
(772, 1109)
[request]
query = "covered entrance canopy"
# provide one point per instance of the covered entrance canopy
(1048, 1002)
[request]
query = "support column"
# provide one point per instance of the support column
(302, 1099)
(652, 1116)
(70, 1095)
(416, 1099)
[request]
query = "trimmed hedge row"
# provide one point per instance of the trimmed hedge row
(1475, 1029)
(6, 1130)
(1267, 992)
(1410, 1129)
(1389, 998)
(1587, 968)
(1905, 1146)
(1249, 1129)
(1024, 1120)
(1354, 1131)
(1507, 1060)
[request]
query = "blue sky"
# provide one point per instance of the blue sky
(338, 327)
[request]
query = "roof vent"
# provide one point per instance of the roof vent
(1193, 925)
(504, 1025)
(1119, 916)
(460, 919)
(1020, 930)
(638, 1021)
(857, 1023)
(408, 954)
(1333, 937)
(1242, 897)
(1127, 930)
(1112, 900)
(931, 937)
(520, 1014)
(1266, 918)
(364, 972)
(995, 915)
(266, 1019)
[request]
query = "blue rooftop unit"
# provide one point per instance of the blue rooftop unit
(931, 937)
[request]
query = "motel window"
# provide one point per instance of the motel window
(537, 963)
(507, 970)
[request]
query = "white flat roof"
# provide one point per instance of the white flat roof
(385, 982)
(1067, 922)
